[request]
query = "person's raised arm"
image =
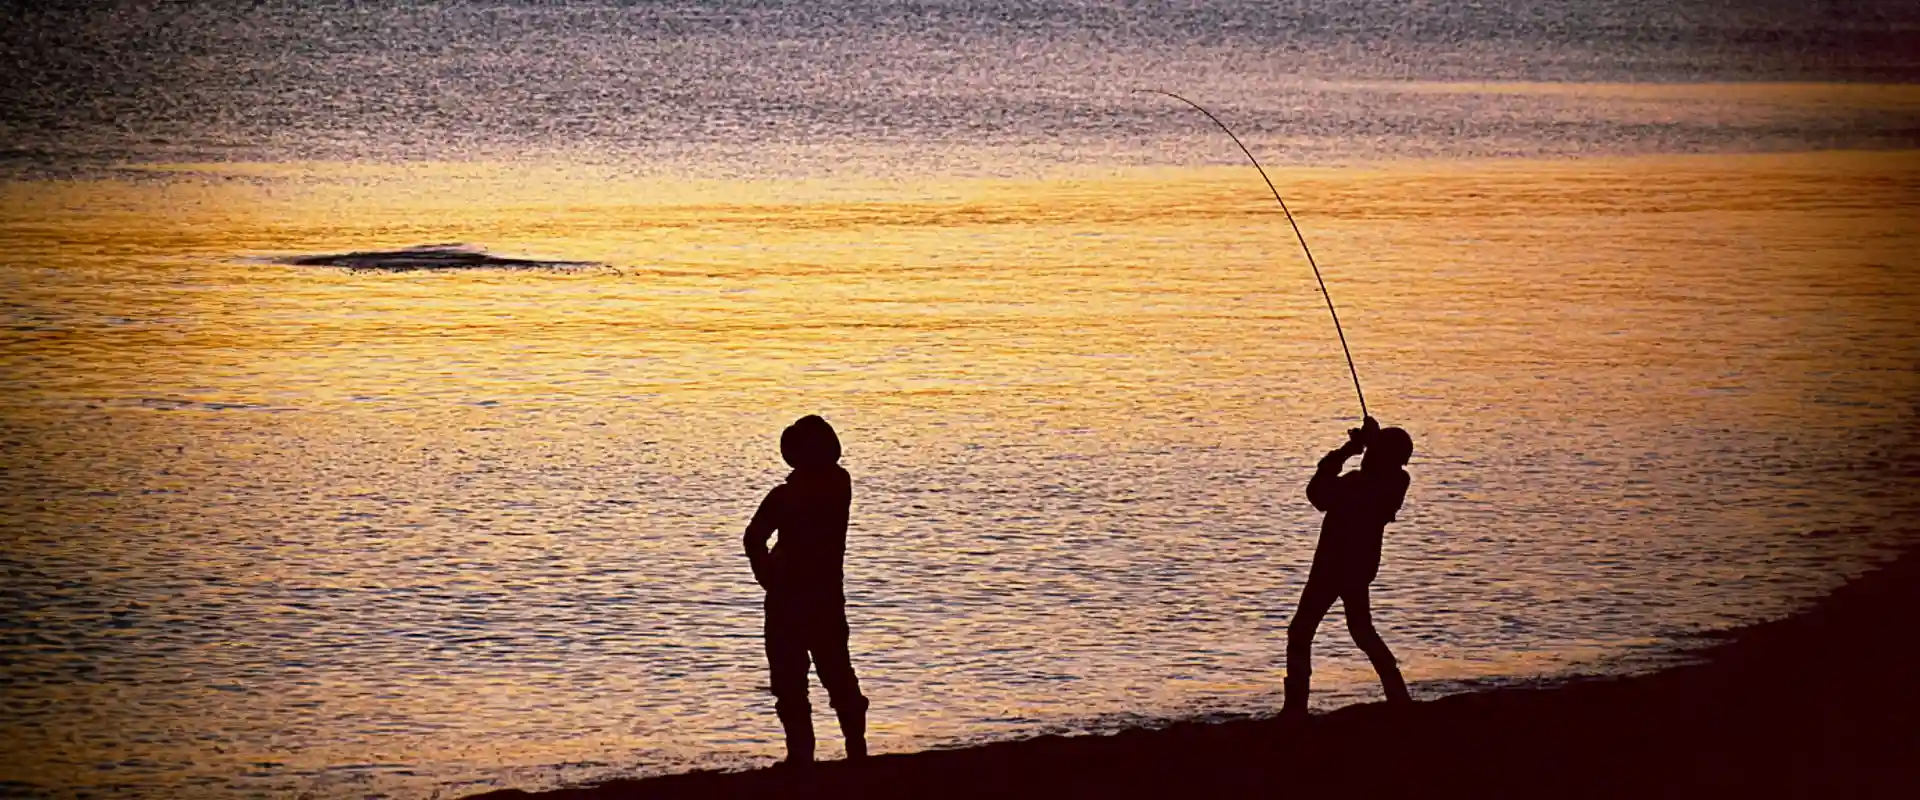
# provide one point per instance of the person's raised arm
(1323, 491)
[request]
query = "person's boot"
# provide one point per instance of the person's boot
(797, 719)
(1296, 702)
(1395, 685)
(853, 723)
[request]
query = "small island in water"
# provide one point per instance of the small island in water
(427, 257)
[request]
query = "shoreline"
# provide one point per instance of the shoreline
(1817, 702)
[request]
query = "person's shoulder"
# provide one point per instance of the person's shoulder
(820, 479)
(829, 475)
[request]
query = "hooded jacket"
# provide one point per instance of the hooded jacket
(1358, 505)
(809, 511)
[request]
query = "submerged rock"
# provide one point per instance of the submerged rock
(428, 257)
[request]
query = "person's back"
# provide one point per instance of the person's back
(1358, 506)
(810, 511)
(802, 573)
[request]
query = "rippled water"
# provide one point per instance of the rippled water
(285, 530)
(766, 87)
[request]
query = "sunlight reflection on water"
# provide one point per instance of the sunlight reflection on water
(280, 529)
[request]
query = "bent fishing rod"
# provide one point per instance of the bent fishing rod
(1296, 233)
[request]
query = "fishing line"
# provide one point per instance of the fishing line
(1296, 233)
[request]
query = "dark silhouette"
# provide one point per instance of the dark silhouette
(426, 257)
(806, 605)
(1358, 506)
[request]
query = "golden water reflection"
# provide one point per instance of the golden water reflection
(286, 529)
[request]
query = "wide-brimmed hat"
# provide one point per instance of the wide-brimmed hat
(809, 442)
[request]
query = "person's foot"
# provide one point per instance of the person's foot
(853, 723)
(1295, 707)
(1396, 687)
(797, 720)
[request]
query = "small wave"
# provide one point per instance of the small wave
(427, 257)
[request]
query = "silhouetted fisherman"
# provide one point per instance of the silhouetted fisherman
(806, 606)
(1358, 506)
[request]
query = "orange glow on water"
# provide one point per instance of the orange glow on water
(1075, 405)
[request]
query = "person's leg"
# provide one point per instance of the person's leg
(1359, 608)
(1314, 602)
(787, 666)
(835, 664)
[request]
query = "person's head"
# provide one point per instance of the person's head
(809, 442)
(1391, 447)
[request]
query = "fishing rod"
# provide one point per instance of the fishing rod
(1296, 233)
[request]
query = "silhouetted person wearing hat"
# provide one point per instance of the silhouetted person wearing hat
(1358, 506)
(806, 606)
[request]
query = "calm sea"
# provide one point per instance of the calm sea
(1641, 279)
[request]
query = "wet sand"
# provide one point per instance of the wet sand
(1813, 705)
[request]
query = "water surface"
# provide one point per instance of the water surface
(1644, 300)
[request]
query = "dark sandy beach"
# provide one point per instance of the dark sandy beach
(1818, 704)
